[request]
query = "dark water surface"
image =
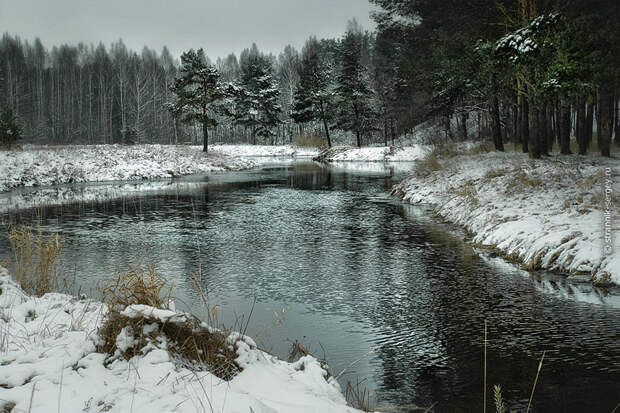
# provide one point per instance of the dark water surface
(333, 262)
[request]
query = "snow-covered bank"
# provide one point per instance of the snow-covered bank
(264, 150)
(374, 153)
(547, 214)
(49, 362)
(97, 163)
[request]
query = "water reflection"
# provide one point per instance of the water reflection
(357, 271)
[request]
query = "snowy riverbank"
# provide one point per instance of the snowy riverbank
(546, 214)
(49, 363)
(374, 153)
(98, 163)
(42, 166)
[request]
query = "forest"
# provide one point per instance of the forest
(533, 73)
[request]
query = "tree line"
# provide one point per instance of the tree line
(88, 94)
(529, 72)
(532, 72)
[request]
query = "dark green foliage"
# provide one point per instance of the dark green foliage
(10, 130)
(314, 94)
(257, 105)
(353, 85)
(199, 93)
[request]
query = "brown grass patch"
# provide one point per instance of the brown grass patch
(522, 182)
(140, 285)
(34, 257)
(189, 341)
(468, 190)
(186, 338)
(298, 351)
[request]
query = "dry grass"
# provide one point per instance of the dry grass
(33, 259)
(140, 285)
(522, 182)
(7, 406)
(298, 351)
(468, 190)
(358, 397)
(435, 160)
(189, 341)
(310, 141)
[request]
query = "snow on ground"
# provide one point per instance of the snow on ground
(264, 150)
(49, 363)
(375, 153)
(547, 214)
(97, 163)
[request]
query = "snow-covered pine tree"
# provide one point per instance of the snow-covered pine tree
(199, 92)
(257, 104)
(353, 83)
(314, 94)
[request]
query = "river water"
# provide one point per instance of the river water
(322, 255)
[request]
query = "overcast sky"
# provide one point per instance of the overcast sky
(219, 26)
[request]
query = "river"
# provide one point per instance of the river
(322, 255)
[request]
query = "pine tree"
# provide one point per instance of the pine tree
(353, 84)
(199, 94)
(257, 97)
(10, 130)
(313, 97)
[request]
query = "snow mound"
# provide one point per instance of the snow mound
(49, 362)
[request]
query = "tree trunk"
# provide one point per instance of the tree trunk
(565, 126)
(205, 137)
(580, 130)
(392, 130)
(589, 125)
(464, 117)
(525, 124)
(548, 130)
(495, 120)
(537, 133)
(326, 126)
(606, 108)
(515, 119)
(617, 118)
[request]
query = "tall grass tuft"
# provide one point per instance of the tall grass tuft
(358, 397)
(140, 285)
(188, 339)
(34, 258)
(499, 402)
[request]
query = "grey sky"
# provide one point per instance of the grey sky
(219, 26)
